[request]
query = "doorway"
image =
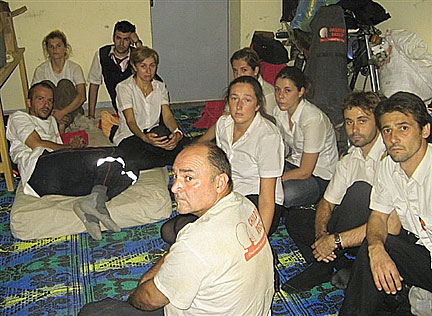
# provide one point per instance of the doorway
(191, 37)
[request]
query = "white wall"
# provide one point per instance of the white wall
(412, 15)
(88, 25)
(258, 15)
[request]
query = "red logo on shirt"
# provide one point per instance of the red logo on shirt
(251, 235)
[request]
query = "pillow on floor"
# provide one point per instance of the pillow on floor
(146, 201)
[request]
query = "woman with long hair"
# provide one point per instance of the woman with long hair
(66, 77)
(310, 142)
(255, 151)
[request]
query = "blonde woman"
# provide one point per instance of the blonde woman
(148, 132)
(66, 77)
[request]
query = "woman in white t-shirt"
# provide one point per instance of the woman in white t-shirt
(148, 132)
(66, 77)
(309, 137)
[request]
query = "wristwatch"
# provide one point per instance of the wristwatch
(177, 131)
(338, 241)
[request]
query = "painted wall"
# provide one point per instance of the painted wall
(412, 15)
(88, 25)
(258, 15)
(234, 25)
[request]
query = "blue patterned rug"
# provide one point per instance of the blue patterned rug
(56, 276)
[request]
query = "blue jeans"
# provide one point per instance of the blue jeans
(302, 192)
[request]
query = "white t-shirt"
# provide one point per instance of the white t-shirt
(312, 132)
(95, 72)
(219, 265)
(19, 128)
(146, 110)
(410, 197)
(270, 100)
(259, 153)
(71, 71)
(352, 168)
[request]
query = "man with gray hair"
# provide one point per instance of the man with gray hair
(221, 264)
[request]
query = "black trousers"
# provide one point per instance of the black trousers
(74, 171)
(145, 156)
(412, 261)
(112, 307)
(279, 209)
(171, 228)
(351, 213)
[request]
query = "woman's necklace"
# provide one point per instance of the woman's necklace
(147, 90)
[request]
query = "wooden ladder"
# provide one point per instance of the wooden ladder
(15, 58)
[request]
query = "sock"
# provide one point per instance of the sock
(94, 204)
(90, 222)
(102, 209)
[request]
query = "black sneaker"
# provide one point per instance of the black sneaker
(315, 274)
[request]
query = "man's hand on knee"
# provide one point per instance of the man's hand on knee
(323, 248)
(384, 271)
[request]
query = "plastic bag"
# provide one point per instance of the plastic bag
(420, 301)
(408, 66)
(306, 10)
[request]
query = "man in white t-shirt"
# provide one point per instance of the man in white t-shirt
(221, 264)
(403, 184)
(47, 166)
(341, 216)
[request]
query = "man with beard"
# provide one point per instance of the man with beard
(47, 166)
(403, 184)
(111, 62)
(341, 216)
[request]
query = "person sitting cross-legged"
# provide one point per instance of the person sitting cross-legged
(341, 216)
(65, 76)
(386, 261)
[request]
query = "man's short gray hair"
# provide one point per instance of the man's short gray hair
(218, 161)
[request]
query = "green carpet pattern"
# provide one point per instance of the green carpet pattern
(56, 276)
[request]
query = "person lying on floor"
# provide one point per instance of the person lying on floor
(66, 77)
(246, 62)
(47, 166)
(148, 132)
(219, 265)
(403, 183)
(341, 216)
(255, 150)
